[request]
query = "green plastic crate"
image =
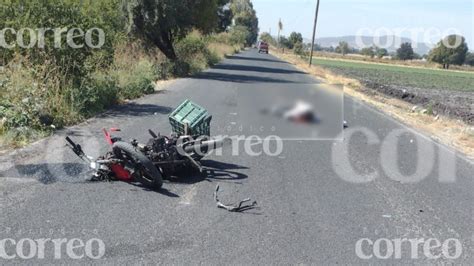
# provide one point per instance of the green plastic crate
(196, 118)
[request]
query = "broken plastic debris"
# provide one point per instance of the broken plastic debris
(238, 208)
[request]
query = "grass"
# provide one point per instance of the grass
(401, 75)
(34, 100)
(222, 49)
(451, 132)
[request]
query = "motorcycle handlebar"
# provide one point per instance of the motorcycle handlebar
(69, 140)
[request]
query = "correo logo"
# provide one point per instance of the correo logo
(28, 249)
(384, 248)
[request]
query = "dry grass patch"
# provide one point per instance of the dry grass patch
(222, 49)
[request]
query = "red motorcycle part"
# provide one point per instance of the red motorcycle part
(108, 137)
(121, 173)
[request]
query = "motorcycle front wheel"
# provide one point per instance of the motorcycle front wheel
(148, 173)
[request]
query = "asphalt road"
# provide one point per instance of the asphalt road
(316, 199)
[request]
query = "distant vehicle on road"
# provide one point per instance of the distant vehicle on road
(263, 47)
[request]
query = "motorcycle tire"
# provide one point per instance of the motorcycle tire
(149, 176)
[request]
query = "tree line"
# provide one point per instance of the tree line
(158, 22)
(452, 50)
(145, 40)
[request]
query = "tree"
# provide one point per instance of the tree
(469, 59)
(284, 42)
(295, 38)
(224, 14)
(405, 52)
(380, 52)
(448, 53)
(239, 35)
(205, 15)
(368, 51)
(163, 22)
(317, 47)
(266, 37)
(299, 49)
(342, 48)
(245, 15)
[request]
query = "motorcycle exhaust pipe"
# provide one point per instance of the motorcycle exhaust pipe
(205, 145)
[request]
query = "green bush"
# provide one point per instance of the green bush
(54, 14)
(41, 87)
(169, 69)
(21, 136)
(22, 100)
(194, 50)
(223, 37)
(298, 49)
(213, 59)
(239, 35)
(136, 80)
(55, 85)
(98, 93)
(15, 116)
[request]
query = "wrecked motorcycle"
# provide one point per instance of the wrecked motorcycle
(161, 157)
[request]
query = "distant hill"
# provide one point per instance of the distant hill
(419, 48)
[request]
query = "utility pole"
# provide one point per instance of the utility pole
(280, 27)
(314, 34)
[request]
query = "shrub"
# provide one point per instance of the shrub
(20, 136)
(299, 49)
(49, 85)
(43, 87)
(22, 99)
(98, 93)
(239, 35)
(135, 80)
(194, 50)
(223, 38)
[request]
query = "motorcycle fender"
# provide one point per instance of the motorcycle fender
(121, 173)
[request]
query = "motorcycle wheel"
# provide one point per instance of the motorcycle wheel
(149, 175)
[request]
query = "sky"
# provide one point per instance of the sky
(421, 20)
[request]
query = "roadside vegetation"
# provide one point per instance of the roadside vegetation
(433, 92)
(428, 118)
(441, 84)
(49, 86)
(441, 56)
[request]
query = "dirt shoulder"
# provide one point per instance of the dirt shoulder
(399, 103)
